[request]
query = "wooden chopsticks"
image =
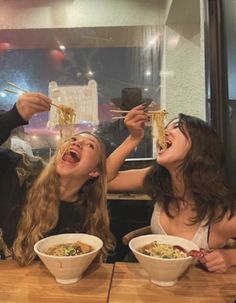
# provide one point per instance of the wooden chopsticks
(149, 112)
(17, 87)
(10, 91)
(119, 111)
(22, 90)
(152, 112)
(118, 117)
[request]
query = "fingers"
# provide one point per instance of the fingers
(37, 99)
(216, 267)
(215, 261)
(32, 103)
(135, 121)
(137, 114)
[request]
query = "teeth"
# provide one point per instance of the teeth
(74, 152)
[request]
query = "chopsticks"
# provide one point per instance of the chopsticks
(150, 112)
(119, 111)
(10, 91)
(22, 90)
(17, 87)
(118, 117)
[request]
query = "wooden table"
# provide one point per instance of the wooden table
(35, 284)
(125, 283)
(130, 284)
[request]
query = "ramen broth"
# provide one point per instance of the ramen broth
(69, 249)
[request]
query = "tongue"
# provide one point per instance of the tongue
(68, 158)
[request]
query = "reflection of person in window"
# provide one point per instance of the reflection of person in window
(19, 142)
(114, 133)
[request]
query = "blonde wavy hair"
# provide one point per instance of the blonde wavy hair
(40, 213)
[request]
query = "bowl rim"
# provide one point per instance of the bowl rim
(38, 252)
(159, 258)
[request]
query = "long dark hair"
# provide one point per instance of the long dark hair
(203, 171)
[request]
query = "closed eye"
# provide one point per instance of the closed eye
(90, 145)
(172, 126)
(176, 125)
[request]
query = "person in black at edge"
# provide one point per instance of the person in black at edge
(126, 215)
(114, 133)
(25, 107)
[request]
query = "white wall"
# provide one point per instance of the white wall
(183, 69)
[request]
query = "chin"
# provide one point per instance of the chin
(63, 170)
(163, 162)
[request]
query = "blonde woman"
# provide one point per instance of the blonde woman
(68, 195)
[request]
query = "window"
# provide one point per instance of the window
(153, 45)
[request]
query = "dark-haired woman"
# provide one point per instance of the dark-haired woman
(188, 183)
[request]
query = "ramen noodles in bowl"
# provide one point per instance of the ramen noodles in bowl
(160, 259)
(69, 249)
(67, 256)
(162, 250)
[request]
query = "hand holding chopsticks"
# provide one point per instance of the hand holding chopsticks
(21, 90)
(135, 121)
(29, 103)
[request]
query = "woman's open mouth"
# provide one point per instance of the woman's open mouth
(71, 156)
(160, 149)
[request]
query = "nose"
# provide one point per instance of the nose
(166, 131)
(78, 144)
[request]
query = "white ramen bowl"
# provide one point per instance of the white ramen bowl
(163, 272)
(67, 269)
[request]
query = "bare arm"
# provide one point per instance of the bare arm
(228, 230)
(128, 180)
(135, 122)
(220, 260)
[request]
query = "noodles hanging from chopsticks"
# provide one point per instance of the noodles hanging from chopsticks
(66, 117)
(158, 119)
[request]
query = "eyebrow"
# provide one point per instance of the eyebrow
(91, 139)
